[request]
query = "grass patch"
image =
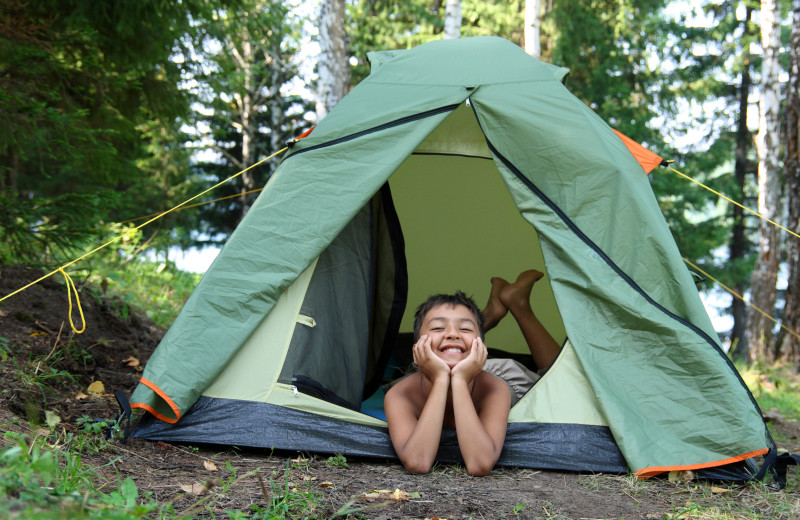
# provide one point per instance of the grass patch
(130, 283)
(775, 387)
(44, 476)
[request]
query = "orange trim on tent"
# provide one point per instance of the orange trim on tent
(305, 134)
(163, 396)
(655, 470)
(645, 157)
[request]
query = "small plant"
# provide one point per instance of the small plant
(518, 508)
(5, 349)
(291, 501)
(338, 461)
(89, 425)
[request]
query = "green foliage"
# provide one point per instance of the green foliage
(377, 25)
(338, 461)
(774, 387)
(5, 349)
(43, 480)
(91, 104)
(290, 500)
(606, 45)
(38, 230)
(249, 61)
(129, 281)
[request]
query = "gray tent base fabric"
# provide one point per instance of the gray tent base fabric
(249, 424)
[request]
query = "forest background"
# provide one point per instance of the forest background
(113, 111)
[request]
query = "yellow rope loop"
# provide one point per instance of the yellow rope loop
(740, 297)
(735, 203)
(70, 288)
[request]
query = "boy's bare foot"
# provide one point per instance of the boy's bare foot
(495, 309)
(517, 295)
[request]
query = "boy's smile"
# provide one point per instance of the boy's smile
(452, 329)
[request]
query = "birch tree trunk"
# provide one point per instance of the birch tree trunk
(788, 344)
(452, 20)
(333, 68)
(765, 274)
(533, 9)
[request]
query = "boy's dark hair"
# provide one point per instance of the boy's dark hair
(459, 298)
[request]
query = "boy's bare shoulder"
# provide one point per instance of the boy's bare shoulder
(487, 384)
(409, 388)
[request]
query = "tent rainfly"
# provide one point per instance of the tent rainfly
(451, 163)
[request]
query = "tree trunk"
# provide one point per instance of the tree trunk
(452, 20)
(738, 245)
(788, 344)
(247, 119)
(533, 9)
(765, 274)
(334, 70)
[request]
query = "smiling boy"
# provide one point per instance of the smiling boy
(451, 389)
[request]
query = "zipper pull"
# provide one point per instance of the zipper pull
(296, 393)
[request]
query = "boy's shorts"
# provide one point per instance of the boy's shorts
(517, 376)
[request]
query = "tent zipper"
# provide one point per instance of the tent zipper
(384, 126)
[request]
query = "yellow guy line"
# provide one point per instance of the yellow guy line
(193, 205)
(120, 237)
(739, 296)
(734, 202)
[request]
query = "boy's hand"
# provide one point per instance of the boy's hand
(470, 366)
(429, 363)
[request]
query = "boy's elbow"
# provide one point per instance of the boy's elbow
(481, 465)
(479, 469)
(419, 468)
(418, 464)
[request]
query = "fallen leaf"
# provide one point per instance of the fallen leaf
(300, 460)
(309, 477)
(326, 484)
(210, 466)
(715, 489)
(51, 418)
(681, 476)
(163, 445)
(131, 361)
(80, 395)
(38, 334)
(397, 495)
(96, 388)
(194, 489)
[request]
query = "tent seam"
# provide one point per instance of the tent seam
(378, 128)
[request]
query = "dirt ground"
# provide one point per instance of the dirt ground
(39, 349)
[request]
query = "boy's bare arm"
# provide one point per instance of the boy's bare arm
(416, 434)
(481, 431)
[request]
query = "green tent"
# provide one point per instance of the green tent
(451, 163)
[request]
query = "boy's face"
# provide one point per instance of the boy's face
(452, 329)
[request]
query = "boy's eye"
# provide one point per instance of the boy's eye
(466, 330)
(437, 329)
